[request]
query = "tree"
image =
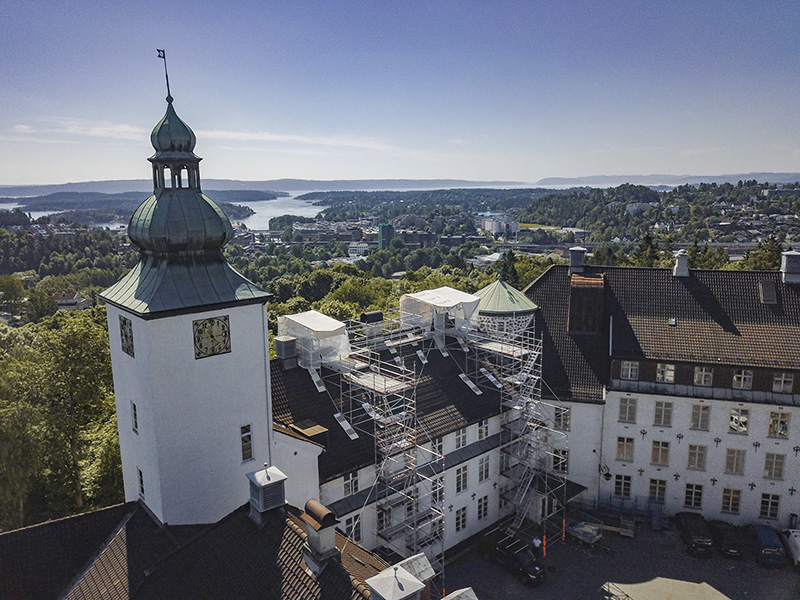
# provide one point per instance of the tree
(11, 293)
(39, 305)
(506, 269)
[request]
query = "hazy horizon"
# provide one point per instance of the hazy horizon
(509, 91)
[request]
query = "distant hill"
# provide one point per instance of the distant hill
(656, 180)
(277, 186)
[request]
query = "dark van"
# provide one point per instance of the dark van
(769, 547)
(694, 533)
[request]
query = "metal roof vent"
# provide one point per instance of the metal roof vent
(790, 267)
(681, 268)
(286, 351)
(266, 492)
(394, 583)
(577, 257)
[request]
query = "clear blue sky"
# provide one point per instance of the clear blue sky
(378, 89)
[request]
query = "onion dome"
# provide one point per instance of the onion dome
(171, 134)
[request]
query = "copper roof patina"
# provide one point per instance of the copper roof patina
(180, 233)
(501, 299)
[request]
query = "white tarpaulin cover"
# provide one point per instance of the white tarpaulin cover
(320, 338)
(419, 309)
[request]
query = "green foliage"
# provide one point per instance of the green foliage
(767, 257)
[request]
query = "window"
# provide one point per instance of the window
(483, 508)
(350, 483)
(483, 429)
(734, 461)
(483, 468)
(627, 410)
(437, 490)
(663, 416)
(773, 465)
(625, 448)
(246, 435)
(769, 506)
(694, 496)
(703, 376)
(779, 424)
(461, 518)
(461, 438)
(141, 483)
(437, 446)
(384, 520)
(665, 373)
(782, 383)
(700, 416)
(731, 499)
(135, 417)
(658, 491)
(629, 369)
(743, 379)
(697, 457)
(352, 528)
(461, 479)
(622, 486)
(739, 418)
(660, 454)
(561, 461)
(126, 335)
(562, 418)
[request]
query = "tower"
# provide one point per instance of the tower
(189, 348)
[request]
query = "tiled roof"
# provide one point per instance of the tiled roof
(39, 562)
(444, 404)
(123, 553)
(709, 317)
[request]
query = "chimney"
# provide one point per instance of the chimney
(266, 493)
(286, 351)
(577, 256)
(394, 583)
(372, 323)
(320, 545)
(790, 267)
(681, 268)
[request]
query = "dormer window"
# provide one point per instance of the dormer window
(629, 369)
(782, 383)
(703, 376)
(743, 379)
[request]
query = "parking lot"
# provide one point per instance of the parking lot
(579, 573)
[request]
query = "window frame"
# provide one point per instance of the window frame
(350, 483)
(622, 486)
(701, 417)
(770, 506)
(626, 444)
(742, 416)
(697, 457)
(461, 519)
(140, 477)
(483, 468)
(437, 446)
(483, 429)
(352, 528)
(483, 508)
(779, 423)
(629, 370)
(666, 407)
(627, 409)
(781, 380)
(742, 379)
(665, 372)
(437, 490)
(461, 438)
(562, 417)
(735, 461)
(462, 479)
(658, 491)
(731, 501)
(704, 376)
(774, 466)
(561, 460)
(134, 418)
(693, 496)
(659, 453)
(246, 442)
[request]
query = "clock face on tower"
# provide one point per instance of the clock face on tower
(126, 334)
(211, 336)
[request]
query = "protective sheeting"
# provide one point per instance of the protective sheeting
(420, 309)
(319, 337)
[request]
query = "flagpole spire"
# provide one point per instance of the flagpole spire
(162, 54)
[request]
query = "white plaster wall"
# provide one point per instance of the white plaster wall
(719, 421)
(298, 459)
(190, 413)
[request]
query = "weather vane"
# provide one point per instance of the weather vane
(162, 54)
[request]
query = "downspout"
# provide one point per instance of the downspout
(268, 380)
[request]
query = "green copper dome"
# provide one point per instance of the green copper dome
(500, 299)
(171, 134)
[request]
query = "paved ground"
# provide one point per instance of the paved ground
(578, 573)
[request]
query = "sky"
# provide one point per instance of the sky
(490, 90)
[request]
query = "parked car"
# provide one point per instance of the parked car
(694, 533)
(728, 539)
(792, 537)
(514, 554)
(769, 547)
